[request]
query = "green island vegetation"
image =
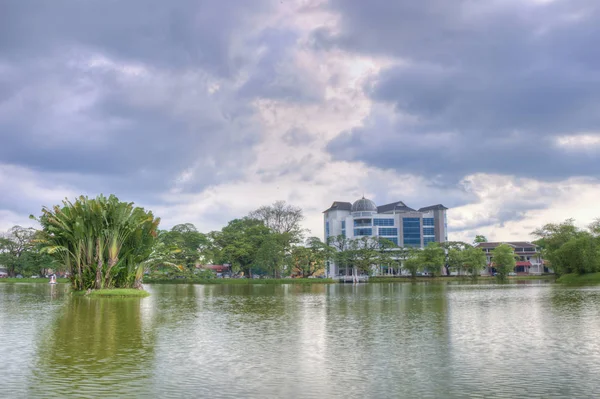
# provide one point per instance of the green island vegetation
(573, 253)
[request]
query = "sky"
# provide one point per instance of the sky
(204, 110)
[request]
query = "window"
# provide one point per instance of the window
(326, 229)
(411, 227)
(383, 222)
(363, 232)
(388, 231)
(427, 240)
(428, 231)
(362, 222)
(343, 224)
(428, 222)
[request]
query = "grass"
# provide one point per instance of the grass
(239, 281)
(31, 280)
(114, 293)
(579, 279)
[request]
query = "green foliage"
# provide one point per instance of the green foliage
(20, 254)
(185, 244)
(432, 258)
(480, 238)
(504, 260)
(102, 242)
(569, 249)
(578, 255)
(238, 243)
(474, 261)
(413, 265)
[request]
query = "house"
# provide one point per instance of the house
(219, 269)
(530, 260)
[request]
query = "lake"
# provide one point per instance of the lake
(388, 340)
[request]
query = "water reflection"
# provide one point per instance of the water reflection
(94, 347)
(270, 341)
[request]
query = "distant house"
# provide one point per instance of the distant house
(530, 260)
(3, 272)
(216, 268)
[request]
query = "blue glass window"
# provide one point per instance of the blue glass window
(388, 231)
(428, 231)
(343, 224)
(326, 229)
(427, 240)
(383, 222)
(363, 232)
(428, 222)
(362, 222)
(411, 227)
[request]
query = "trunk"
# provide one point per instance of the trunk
(137, 284)
(98, 275)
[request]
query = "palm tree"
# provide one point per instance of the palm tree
(101, 241)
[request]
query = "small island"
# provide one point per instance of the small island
(103, 243)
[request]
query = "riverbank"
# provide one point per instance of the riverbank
(398, 279)
(31, 280)
(114, 293)
(239, 281)
(579, 279)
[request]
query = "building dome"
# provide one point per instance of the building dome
(364, 205)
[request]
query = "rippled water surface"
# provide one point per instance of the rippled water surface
(269, 341)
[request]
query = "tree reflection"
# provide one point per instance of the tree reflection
(94, 345)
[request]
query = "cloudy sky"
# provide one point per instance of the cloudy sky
(203, 110)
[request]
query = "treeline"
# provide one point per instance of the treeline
(570, 249)
(20, 253)
(268, 241)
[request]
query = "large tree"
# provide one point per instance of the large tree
(474, 261)
(480, 238)
(14, 245)
(188, 241)
(102, 242)
(432, 258)
(281, 218)
(504, 260)
(238, 243)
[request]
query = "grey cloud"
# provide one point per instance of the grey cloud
(70, 108)
(479, 86)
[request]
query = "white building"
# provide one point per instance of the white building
(404, 226)
(529, 262)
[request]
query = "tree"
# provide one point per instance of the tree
(474, 260)
(552, 237)
(13, 245)
(310, 259)
(281, 218)
(455, 260)
(188, 241)
(578, 255)
(432, 257)
(413, 263)
(503, 257)
(454, 255)
(270, 255)
(102, 242)
(238, 243)
(480, 238)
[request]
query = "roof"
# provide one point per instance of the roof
(438, 207)
(515, 244)
(339, 206)
(394, 206)
(523, 263)
(364, 205)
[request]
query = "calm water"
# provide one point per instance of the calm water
(264, 341)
